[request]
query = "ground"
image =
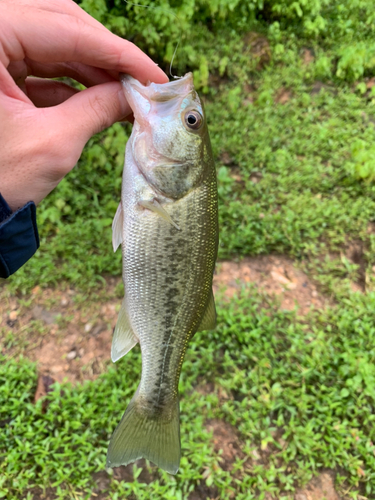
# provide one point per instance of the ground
(75, 346)
(75, 342)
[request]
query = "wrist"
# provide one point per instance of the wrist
(19, 238)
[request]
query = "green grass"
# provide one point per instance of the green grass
(303, 392)
(299, 390)
(313, 156)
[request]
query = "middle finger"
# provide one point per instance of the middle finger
(82, 73)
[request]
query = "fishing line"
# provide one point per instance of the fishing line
(179, 22)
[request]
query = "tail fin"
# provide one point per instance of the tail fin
(138, 436)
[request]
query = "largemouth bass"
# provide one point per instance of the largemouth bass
(167, 224)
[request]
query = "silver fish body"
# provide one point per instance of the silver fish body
(167, 224)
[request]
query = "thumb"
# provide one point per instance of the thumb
(92, 110)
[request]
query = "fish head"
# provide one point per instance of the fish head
(170, 142)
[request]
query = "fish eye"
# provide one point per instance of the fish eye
(193, 119)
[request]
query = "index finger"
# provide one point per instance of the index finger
(54, 37)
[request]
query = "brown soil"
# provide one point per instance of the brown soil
(227, 442)
(275, 275)
(258, 48)
(354, 251)
(308, 56)
(283, 95)
(321, 487)
(70, 338)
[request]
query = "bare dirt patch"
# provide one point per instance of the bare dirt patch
(354, 251)
(283, 96)
(226, 441)
(203, 492)
(275, 275)
(259, 48)
(321, 487)
(70, 337)
(308, 56)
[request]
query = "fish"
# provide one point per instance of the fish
(167, 226)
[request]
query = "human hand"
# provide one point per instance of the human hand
(44, 124)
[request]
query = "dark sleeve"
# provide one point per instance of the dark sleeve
(19, 238)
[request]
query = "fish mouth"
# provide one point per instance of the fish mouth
(142, 98)
(161, 99)
(160, 91)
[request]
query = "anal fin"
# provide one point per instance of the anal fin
(124, 338)
(209, 317)
(117, 226)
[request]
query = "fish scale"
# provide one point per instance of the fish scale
(167, 270)
(168, 225)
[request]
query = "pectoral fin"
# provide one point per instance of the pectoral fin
(209, 317)
(124, 338)
(155, 207)
(117, 225)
